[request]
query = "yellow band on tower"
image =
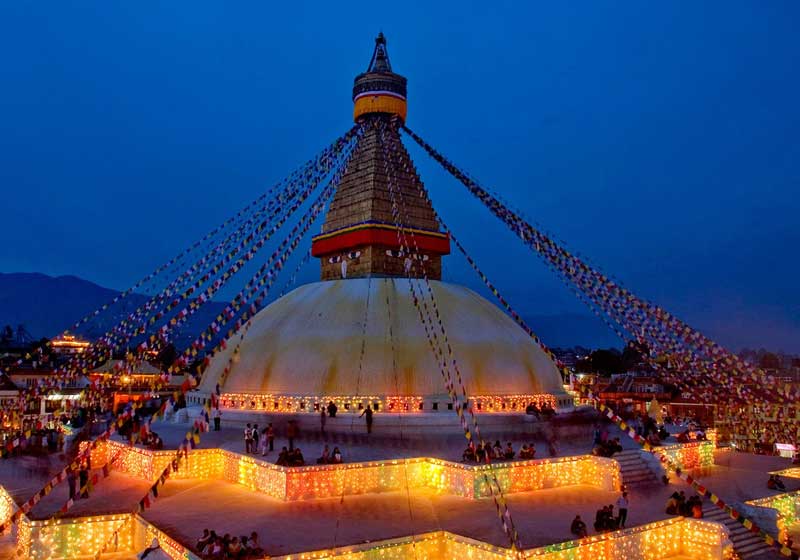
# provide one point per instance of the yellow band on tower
(380, 103)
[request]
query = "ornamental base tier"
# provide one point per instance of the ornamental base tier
(313, 404)
(123, 535)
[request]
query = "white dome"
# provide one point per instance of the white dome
(310, 342)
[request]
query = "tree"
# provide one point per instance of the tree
(167, 356)
(631, 356)
(769, 361)
(7, 336)
(607, 361)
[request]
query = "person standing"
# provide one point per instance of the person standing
(263, 442)
(83, 478)
(271, 437)
(72, 481)
(217, 419)
(368, 414)
(248, 435)
(622, 509)
(322, 419)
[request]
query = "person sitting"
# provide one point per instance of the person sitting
(217, 549)
(775, 483)
(326, 456)
(469, 454)
(480, 453)
(611, 521)
(156, 443)
(682, 507)
(578, 527)
(255, 547)
(532, 450)
(296, 458)
(203, 542)
(283, 457)
(508, 454)
(497, 450)
(697, 507)
(154, 551)
(523, 452)
(234, 548)
(599, 519)
(336, 457)
(700, 435)
(672, 505)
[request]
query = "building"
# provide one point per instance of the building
(355, 337)
(68, 344)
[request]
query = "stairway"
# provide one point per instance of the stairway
(745, 543)
(635, 472)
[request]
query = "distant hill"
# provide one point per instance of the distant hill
(48, 305)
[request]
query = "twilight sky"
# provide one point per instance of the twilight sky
(662, 140)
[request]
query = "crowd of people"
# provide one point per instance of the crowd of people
(606, 448)
(152, 441)
(330, 458)
(78, 480)
(263, 441)
(678, 504)
(496, 452)
(211, 545)
(604, 520)
(290, 457)
(775, 483)
(545, 411)
(46, 436)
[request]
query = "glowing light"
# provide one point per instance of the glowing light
(129, 533)
(324, 481)
(356, 403)
(689, 538)
(71, 538)
(787, 506)
(690, 455)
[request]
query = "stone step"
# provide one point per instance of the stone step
(747, 544)
(637, 476)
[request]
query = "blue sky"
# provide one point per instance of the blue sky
(660, 140)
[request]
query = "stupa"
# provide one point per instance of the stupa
(356, 336)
